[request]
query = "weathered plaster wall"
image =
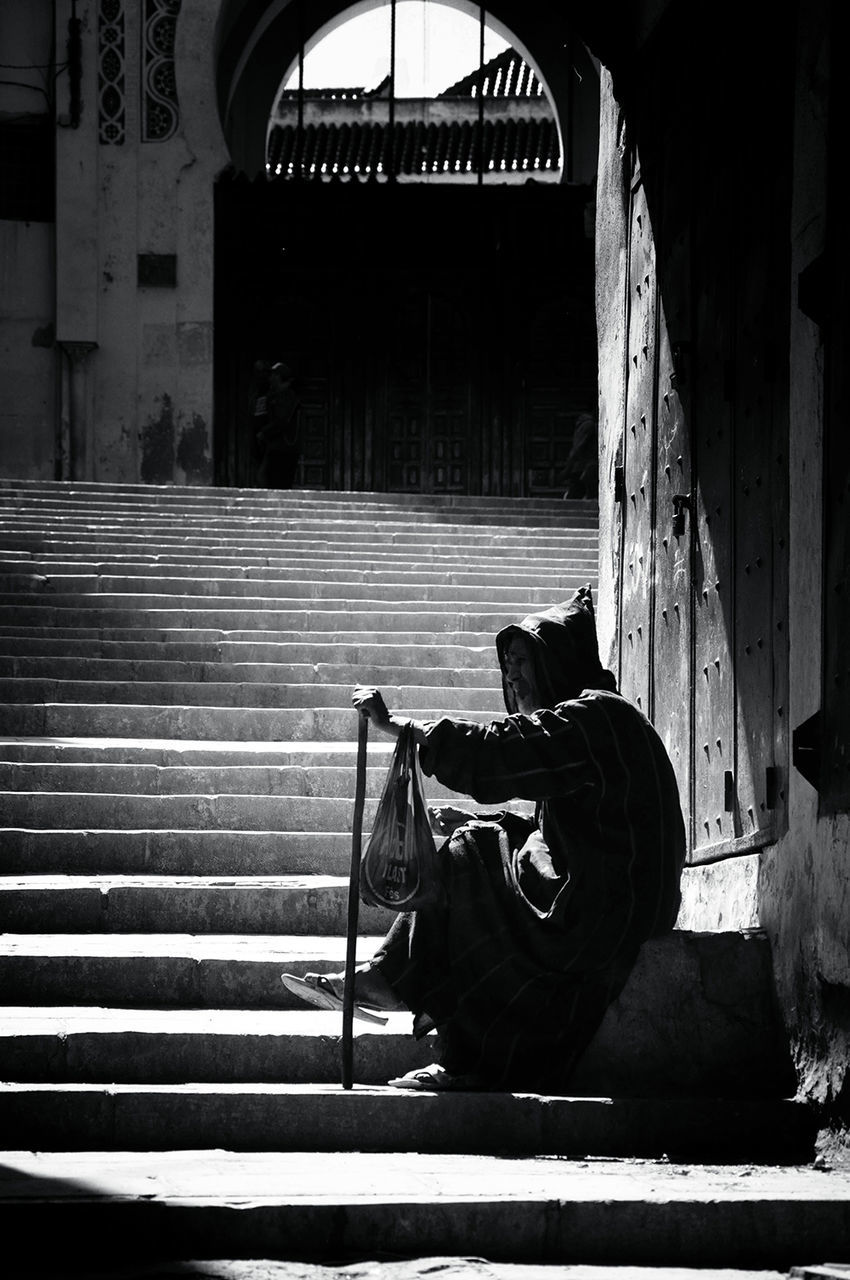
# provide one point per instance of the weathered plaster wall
(721, 896)
(150, 381)
(27, 329)
(154, 402)
(27, 360)
(805, 879)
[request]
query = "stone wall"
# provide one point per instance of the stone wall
(107, 344)
(798, 889)
(27, 362)
(804, 886)
(151, 257)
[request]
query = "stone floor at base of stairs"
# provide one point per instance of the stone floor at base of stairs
(399, 1269)
(92, 1207)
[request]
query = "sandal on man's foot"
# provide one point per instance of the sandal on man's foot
(318, 990)
(436, 1079)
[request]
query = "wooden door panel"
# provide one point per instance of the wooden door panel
(453, 346)
(549, 434)
(405, 379)
(713, 588)
(671, 654)
(405, 449)
(450, 444)
(315, 436)
(701, 615)
(635, 638)
(672, 667)
(754, 536)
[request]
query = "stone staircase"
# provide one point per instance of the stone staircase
(176, 786)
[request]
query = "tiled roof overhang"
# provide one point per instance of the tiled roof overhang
(414, 148)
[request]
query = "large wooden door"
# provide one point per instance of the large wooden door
(432, 349)
(702, 493)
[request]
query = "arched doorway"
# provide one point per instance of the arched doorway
(442, 335)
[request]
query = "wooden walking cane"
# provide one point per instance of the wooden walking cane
(353, 905)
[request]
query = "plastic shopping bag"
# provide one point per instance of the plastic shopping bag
(400, 868)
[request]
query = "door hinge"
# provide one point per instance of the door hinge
(679, 376)
(806, 749)
(771, 786)
(729, 791)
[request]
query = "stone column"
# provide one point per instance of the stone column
(77, 271)
(76, 436)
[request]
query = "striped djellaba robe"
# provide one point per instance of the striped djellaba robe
(542, 919)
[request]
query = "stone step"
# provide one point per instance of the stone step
(420, 1268)
(59, 515)
(60, 810)
(85, 1209)
(327, 616)
(304, 531)
(146, 904)
(240, 499)
(712, 994)
(52, 668)
(192, 852)
(296, 509)
(189, 851)
(306, 1117)
(278, 525)
(314, 559)
(483, 559)
(415, 648)
(388, 524)
(62, 720)
(136, 1045)
(380, 596)
(64, 590)
(197, 779)
(54, 978)
(90, 1208)
(91, 489)
(278, 814)
(181, 753)
(340, 567)
(176, 1045)
(254, 694)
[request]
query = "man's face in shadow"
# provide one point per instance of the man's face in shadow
(520, 675)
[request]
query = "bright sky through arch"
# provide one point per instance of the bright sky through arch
(436, 45)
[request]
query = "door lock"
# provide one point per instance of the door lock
(682, 502)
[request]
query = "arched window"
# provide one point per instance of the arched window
(413, 91)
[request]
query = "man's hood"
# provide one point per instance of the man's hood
(566, 651)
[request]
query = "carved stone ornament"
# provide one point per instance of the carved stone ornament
(111, 104)
(160, 109)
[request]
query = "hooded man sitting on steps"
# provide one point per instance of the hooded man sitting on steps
(542, 918)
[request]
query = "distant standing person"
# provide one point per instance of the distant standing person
(581, 472)
(258, 409)
(279, 439)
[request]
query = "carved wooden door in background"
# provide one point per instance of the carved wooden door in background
(433, 348)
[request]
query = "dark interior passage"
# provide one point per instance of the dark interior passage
(442, 338)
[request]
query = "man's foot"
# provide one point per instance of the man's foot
(370, 988)
(372, 992)
(325, 992)
(436, 1079)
